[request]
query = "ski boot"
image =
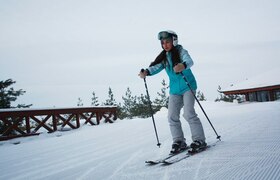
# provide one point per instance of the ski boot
(198, 146)
(178, 146)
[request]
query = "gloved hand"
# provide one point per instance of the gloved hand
(143, 73)
(179, 67)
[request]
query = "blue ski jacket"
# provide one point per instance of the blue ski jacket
(177, 84)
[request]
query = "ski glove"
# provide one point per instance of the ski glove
(179, 67)
(143, 73)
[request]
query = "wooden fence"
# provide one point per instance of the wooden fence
(27, 122)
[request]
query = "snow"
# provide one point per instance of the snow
(250, 148)
(264, 79)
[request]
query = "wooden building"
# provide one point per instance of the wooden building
(261, 88)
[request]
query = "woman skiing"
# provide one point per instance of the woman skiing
(176, 60)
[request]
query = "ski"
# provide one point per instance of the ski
(162, 160)
(190, 153)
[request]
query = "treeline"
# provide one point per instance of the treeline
(136, 106)
(133, 106)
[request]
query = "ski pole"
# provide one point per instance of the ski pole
(187, 82)
(151, 110)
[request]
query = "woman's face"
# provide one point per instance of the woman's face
(167, 44)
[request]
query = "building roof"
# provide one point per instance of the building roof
(266, 79)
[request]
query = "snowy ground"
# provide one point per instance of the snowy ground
(250, 149)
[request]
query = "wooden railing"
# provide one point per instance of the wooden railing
(27, 122)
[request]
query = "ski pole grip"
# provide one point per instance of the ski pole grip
(142, 71)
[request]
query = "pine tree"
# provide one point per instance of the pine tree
(7, 96)
(111, 100)
(94, 100)
(80, 102)
(162, 100)
(143, 107)
(129, 106)
(200, 96)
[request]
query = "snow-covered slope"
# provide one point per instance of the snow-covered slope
(250, 149)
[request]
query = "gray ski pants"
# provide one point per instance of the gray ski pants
(175, 104)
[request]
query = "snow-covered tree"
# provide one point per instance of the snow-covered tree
(80, 102)
(227, 98)
(200, 96)
(94, 100)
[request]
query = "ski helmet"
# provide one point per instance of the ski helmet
(168, 34)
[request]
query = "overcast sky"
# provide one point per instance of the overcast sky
(59, 50)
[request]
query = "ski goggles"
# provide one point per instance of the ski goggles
(164, 35)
